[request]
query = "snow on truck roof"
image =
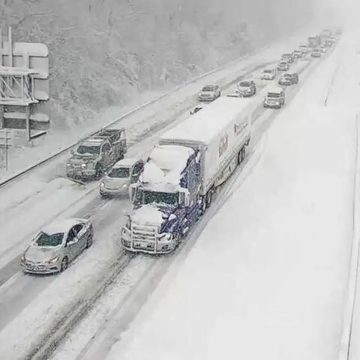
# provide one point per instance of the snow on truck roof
(206, 124)
(165, 164)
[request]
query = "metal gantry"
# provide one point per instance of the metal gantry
(17, 86)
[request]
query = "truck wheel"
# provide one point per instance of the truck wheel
(239, 159)
(241, 155)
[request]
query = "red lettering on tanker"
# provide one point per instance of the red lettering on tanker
(223, 145)
(238, 128)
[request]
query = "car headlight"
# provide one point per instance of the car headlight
(102, 185)
(53, 260)
(125, 186)
(83, 166)
(23, 258)
(68, 164)
(165, 237)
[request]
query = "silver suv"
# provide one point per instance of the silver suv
(118, 180)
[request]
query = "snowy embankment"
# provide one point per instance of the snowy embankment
(21, 158)
(267, 277)
(345, 95)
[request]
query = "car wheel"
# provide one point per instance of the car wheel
(208, 199)
(89, 241)
(64, 264)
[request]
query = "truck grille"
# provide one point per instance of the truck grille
(144, 236)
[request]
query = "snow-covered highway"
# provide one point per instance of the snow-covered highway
(39, 305)
(281, 284)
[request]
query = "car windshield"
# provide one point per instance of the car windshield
(268, 71)
(120, 172)
(86, 149)
(273, 95)
(44, 239)
(150, 197)
(209, 88)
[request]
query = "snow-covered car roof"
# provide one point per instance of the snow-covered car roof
(275, 90)
(61, 226)
(93, 141)
(126, 162)
(210, 87)
(246, 83)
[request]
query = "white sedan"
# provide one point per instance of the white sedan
(57, 245)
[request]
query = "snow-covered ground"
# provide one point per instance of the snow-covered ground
(34, 305)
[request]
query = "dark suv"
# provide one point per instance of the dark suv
(246, 88)
(289, 79)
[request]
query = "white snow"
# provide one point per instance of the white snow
(147, 215)
(60, 226)
(21, 48)
(165, 164)
(126, 162)
(207, 124)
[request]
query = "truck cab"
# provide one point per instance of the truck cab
(165, 201)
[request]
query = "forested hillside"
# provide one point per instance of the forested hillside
(104, 52)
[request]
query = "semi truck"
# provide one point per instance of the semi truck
(183, 171)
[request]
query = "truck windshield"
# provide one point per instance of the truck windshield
(84, 149)
(150, 197)
(121, 172)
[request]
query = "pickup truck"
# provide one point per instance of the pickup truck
(96, 154)
(183, 172)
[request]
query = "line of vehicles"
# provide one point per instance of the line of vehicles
(176, 183)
